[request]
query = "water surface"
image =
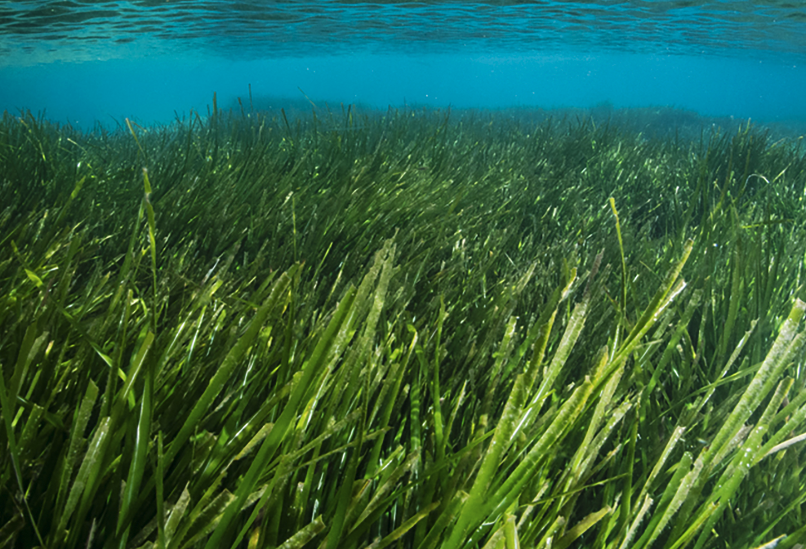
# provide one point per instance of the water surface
(84, 61)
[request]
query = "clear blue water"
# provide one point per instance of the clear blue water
(82, 61)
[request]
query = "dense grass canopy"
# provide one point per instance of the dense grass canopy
(414, 329)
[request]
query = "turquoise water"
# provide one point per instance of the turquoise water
(85, 62)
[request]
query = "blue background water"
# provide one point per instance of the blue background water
(84, 62)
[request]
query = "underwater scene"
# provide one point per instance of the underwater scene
(428, 274)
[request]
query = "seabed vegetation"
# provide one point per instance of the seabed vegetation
(412, 329)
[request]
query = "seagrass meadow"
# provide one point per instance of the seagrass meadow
(411, 329)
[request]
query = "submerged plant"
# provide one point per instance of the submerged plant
(412, 328)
